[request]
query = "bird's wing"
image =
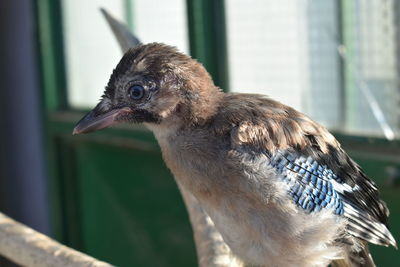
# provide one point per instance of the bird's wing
(314, 186)
(319, 173)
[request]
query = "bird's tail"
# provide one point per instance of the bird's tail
(359, 258)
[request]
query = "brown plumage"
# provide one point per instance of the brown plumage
(277, 185)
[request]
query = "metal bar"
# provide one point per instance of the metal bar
(51, 51)
(348, 42)
(207, 37)
(342, 72)
(129, 14)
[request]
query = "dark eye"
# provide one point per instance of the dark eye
(136, 92)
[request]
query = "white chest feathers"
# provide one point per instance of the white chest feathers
(271, 237)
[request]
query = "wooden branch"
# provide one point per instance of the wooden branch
(211, 248)
(26, 247)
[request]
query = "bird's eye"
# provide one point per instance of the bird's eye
(136, 92)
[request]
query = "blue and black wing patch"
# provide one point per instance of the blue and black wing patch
(310, 184)
(314, 186)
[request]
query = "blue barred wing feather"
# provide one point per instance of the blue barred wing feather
(313, 186)
(310, 183)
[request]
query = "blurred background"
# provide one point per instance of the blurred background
(109, 194)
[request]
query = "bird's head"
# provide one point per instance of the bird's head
(157, 85)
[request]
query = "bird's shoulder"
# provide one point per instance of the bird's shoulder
(257, 121)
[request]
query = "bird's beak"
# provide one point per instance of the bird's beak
(93, 121)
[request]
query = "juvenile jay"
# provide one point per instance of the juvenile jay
(277, 185)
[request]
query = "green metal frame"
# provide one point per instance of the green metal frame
(207, 37)
(350, 93)
(129, 14)
(51, 53)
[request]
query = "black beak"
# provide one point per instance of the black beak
(93, 121)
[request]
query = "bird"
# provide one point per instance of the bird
(277, 185)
